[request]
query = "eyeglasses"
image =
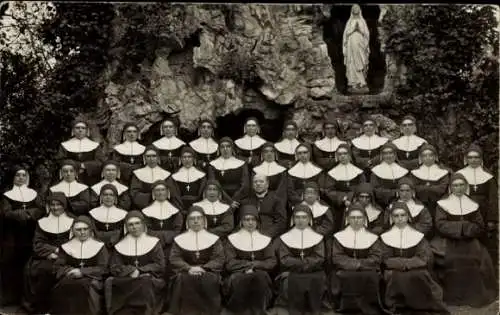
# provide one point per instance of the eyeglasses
(368, 125)
(407, 125)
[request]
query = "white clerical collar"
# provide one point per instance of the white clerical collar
(120, 188)
(364, 142)
(269, 168)
(75, 145)
(171, 143)
(249, 241)
(372, 212)
(261, 195)
(70, 189)
(389, 171)
(458, 205)
(56, 224)
(328, 144)
(104, 214)
(82, 250)
(409, 143)
(195, 241)
(160, 210)
(150, 175)
(415, 208)
(431, 173)
(188, 175)
(475, 176)
(21, 193)
(301, 239)
(249, 143)
(406, 237)
(136, 246)
(222, 164)
(204, 145)
(318, 209)
(361, 239)
(130, 148)
(212, 208)
(345, 172)
(304, 170)
(287, 146)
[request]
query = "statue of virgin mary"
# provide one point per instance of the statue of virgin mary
(356, 49)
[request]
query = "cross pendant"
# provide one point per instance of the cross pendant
(187, 187)
(79, 156)
(82, 264)
(407, 155)
(170, 154)
(161, 224)
(131, 160)
(24, 206)
(197, 254)
(252, 256)
(222, 173)
(370, 153)
(250, 159)
(347, 184)
(107, 226)
(136, 263)
(427, 184)
(215, 220)
(208, 157)
(302, 254)
(475, 187)
(204, 164)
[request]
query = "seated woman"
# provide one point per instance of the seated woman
(275, 173)
(51, 232)
(366, 148)
(324, 149)
(129, 152)
(197, 259)
(322, 213)
(219, 215)
(463, 265)
(249, 258)
(231, 173)
(356, 258)
(385, 176)
(248, 147)
(85, 153)
(189, 180)
(108, 218)
(205, 146)
(80, 269)
(409, 144)
(80, 197)
(303, 170)
(407, 260)
(20, 209)
(137, 266)
(302, 281)
(110, 175)
(169, 146)
(375, 218)
(285, 155)
(163, 219)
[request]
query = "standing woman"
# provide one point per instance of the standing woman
(189, 180)
(80, 268)
(302, 281)
(169, 146)
(108, 218)
(20, 209)
(249, 259)
(286, 146)
(81, 198)
(231, 173)
(356, 257)
(205, 146)
(110, 175)
(248, 147)
(275, 173)
(197, 259)
(462, 263)
(85, 153)
(51, 232)
(303, 171)
(408, 145)
(137, 266)
(375, 218)
(129, 152)
(325, 148)
(366, 148)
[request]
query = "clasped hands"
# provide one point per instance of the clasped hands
(74, 273)
(196, 271)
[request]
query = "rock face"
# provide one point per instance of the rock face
(212, 60)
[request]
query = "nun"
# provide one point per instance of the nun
(324, 149)
(169, 146)
(285, 148)
(375, 215)
(110, 175)
(248, 147)
(128, 154)
(366, 148)
(205, 146)
(322, 213)
(275, 173)
(409, 144)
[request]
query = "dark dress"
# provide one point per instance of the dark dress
(190, 183)
(356, 275)
(81, 198)
(141, 185)
(136, 296)
(463, 265)
(196, 294)
(109, 224)
(170, 152)
(206, 151)
(408, 150)
(324, 152)
(285, 152)
(129, 156)
(20, 211)
(233, 176)
(272, 213)
(51, 232)
(420, 218)
(298, 176)
(219, 216)
(249, 148)
(376, 218)
(384, 179)
(408, 282)
(86, 152)
(366, 152)
(248, 291)
(431, 184)
(83, 296)
(322, 218)
(277, 177)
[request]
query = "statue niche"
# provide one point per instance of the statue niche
(351, 35)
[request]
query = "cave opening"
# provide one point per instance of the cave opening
(333, 30)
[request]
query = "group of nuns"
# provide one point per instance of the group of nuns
(366, 225)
